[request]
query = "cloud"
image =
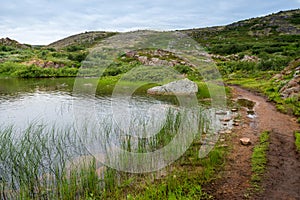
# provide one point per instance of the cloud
(44, 21)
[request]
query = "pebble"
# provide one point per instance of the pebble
(245, 141)
(234, 110)
(226, 119)
(251, 116)
(250, 112)
(221, 113)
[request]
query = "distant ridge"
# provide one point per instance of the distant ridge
(86, 39)
(283, 22)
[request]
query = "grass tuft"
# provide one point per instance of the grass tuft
(297, 140)
(259, 160)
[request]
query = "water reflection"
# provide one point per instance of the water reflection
(51, 102)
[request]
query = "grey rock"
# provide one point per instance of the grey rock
(180, 87)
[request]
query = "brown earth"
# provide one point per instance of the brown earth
(282, 177)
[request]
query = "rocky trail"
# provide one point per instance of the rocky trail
(282, 177)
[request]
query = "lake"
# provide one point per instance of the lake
(52, 102)
(101, 123)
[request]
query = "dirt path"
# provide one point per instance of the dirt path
(282, 178)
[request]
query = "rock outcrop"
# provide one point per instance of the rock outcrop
(157, 57)
(44, 64)
(13, 43)
(180, 87)
(291, 86)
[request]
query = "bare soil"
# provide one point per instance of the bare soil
(282, 177)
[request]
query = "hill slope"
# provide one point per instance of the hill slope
(83, 39)
(7, 42)
(258, 44)
(275, 31)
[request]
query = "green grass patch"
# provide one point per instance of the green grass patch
(184, 180)
(180, 186)
(297, 140)
(259, 160)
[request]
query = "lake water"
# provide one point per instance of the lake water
(52, 102)
(105, 122)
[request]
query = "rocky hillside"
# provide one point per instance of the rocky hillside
(7, 42)
(290, 79)
(284, 22)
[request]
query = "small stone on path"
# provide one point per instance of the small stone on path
(245, 141)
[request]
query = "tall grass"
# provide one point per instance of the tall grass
(33, 164)
(54, 163)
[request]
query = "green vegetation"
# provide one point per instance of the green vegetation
(59, 59)
(251, 52)
(297, 140)
(264, 83)
(267, 38)
(182, 180)
(53, 163)
(248, 53)
(37, 63)
(9, 69)
(259, 160)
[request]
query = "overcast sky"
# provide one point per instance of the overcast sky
(45, 21)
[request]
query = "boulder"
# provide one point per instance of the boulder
(292, 88)
(180, 87)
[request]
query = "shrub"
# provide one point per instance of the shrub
(276, 63)
(74, 48)
(183, 69)
(6, 48)
(225, 49)
(8, 68)
(79, 57)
